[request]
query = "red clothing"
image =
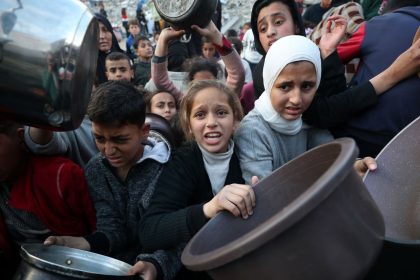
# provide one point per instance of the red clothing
(351, 48)
(55, 190)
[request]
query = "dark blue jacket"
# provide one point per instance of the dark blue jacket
(381, 40)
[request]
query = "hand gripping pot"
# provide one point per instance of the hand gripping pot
(181, 14)
(314, 219)
(41, 262)
(48, 53)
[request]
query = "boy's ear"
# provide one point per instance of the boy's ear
(20, 134)
(146, 130)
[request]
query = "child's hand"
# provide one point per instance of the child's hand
(68, 241)
(236, 198)
(168, 34)
(146, 269)
(330, 40)
(365, 164)
(211, 32)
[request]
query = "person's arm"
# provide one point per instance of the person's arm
(110, 235)
(327, 111)
(46, 142)
(254, 150)
(234, 68)
(171, 219)
(161, 264)
(159, 68)
(351, 48)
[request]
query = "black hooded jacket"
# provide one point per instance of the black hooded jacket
(333, 103)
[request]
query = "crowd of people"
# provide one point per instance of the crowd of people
(239, 105)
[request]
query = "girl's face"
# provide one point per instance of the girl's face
(294, 89)
(208, 50)
(212, 121)
(274, 22)
(145, 50)
(105, 38)
(163, 104)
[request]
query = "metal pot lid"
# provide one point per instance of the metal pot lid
(74, 262)
(174, 8)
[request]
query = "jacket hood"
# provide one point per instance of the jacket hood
(413, 11)
(259, 4)
(156, 148)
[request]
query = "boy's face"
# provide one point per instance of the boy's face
(121, 145)
(11, 152)
(208, 50)
(212, 121)
(145, 50)
(294, 89)
(118, 70)
(134, 29)
(274, 22)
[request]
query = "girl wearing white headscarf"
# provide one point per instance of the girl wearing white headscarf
(265, 139)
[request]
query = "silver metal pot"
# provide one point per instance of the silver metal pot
(181, 14)
(41, 262)
(48, 53)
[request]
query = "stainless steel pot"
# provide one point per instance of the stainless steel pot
(181, 14)
(41, 262)
(314, 219)
(48, 53)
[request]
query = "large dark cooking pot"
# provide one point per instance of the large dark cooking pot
(395, 187)
(48, 53)
(314, 219)
(41, 262)
(181, 14)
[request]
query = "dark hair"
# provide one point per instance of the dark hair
(9, 127)
(200, 64)
(117, 103)
(148, 96)
(138, 39)
(114, 56)
(133, 21)
(188, 100)
(236, 43)
(231, 33)
(392, 5)
(259, 4)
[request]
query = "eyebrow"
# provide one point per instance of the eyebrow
(271, 15)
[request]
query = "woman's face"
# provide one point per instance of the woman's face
(294, 89)
(163, 104)
(105, 38)
(274, 22)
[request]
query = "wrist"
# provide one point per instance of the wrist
(225, 47)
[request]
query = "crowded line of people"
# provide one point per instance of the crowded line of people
(113, 187)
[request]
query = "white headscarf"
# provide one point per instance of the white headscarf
(284, 51)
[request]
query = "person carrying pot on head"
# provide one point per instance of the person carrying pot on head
(234, 68)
